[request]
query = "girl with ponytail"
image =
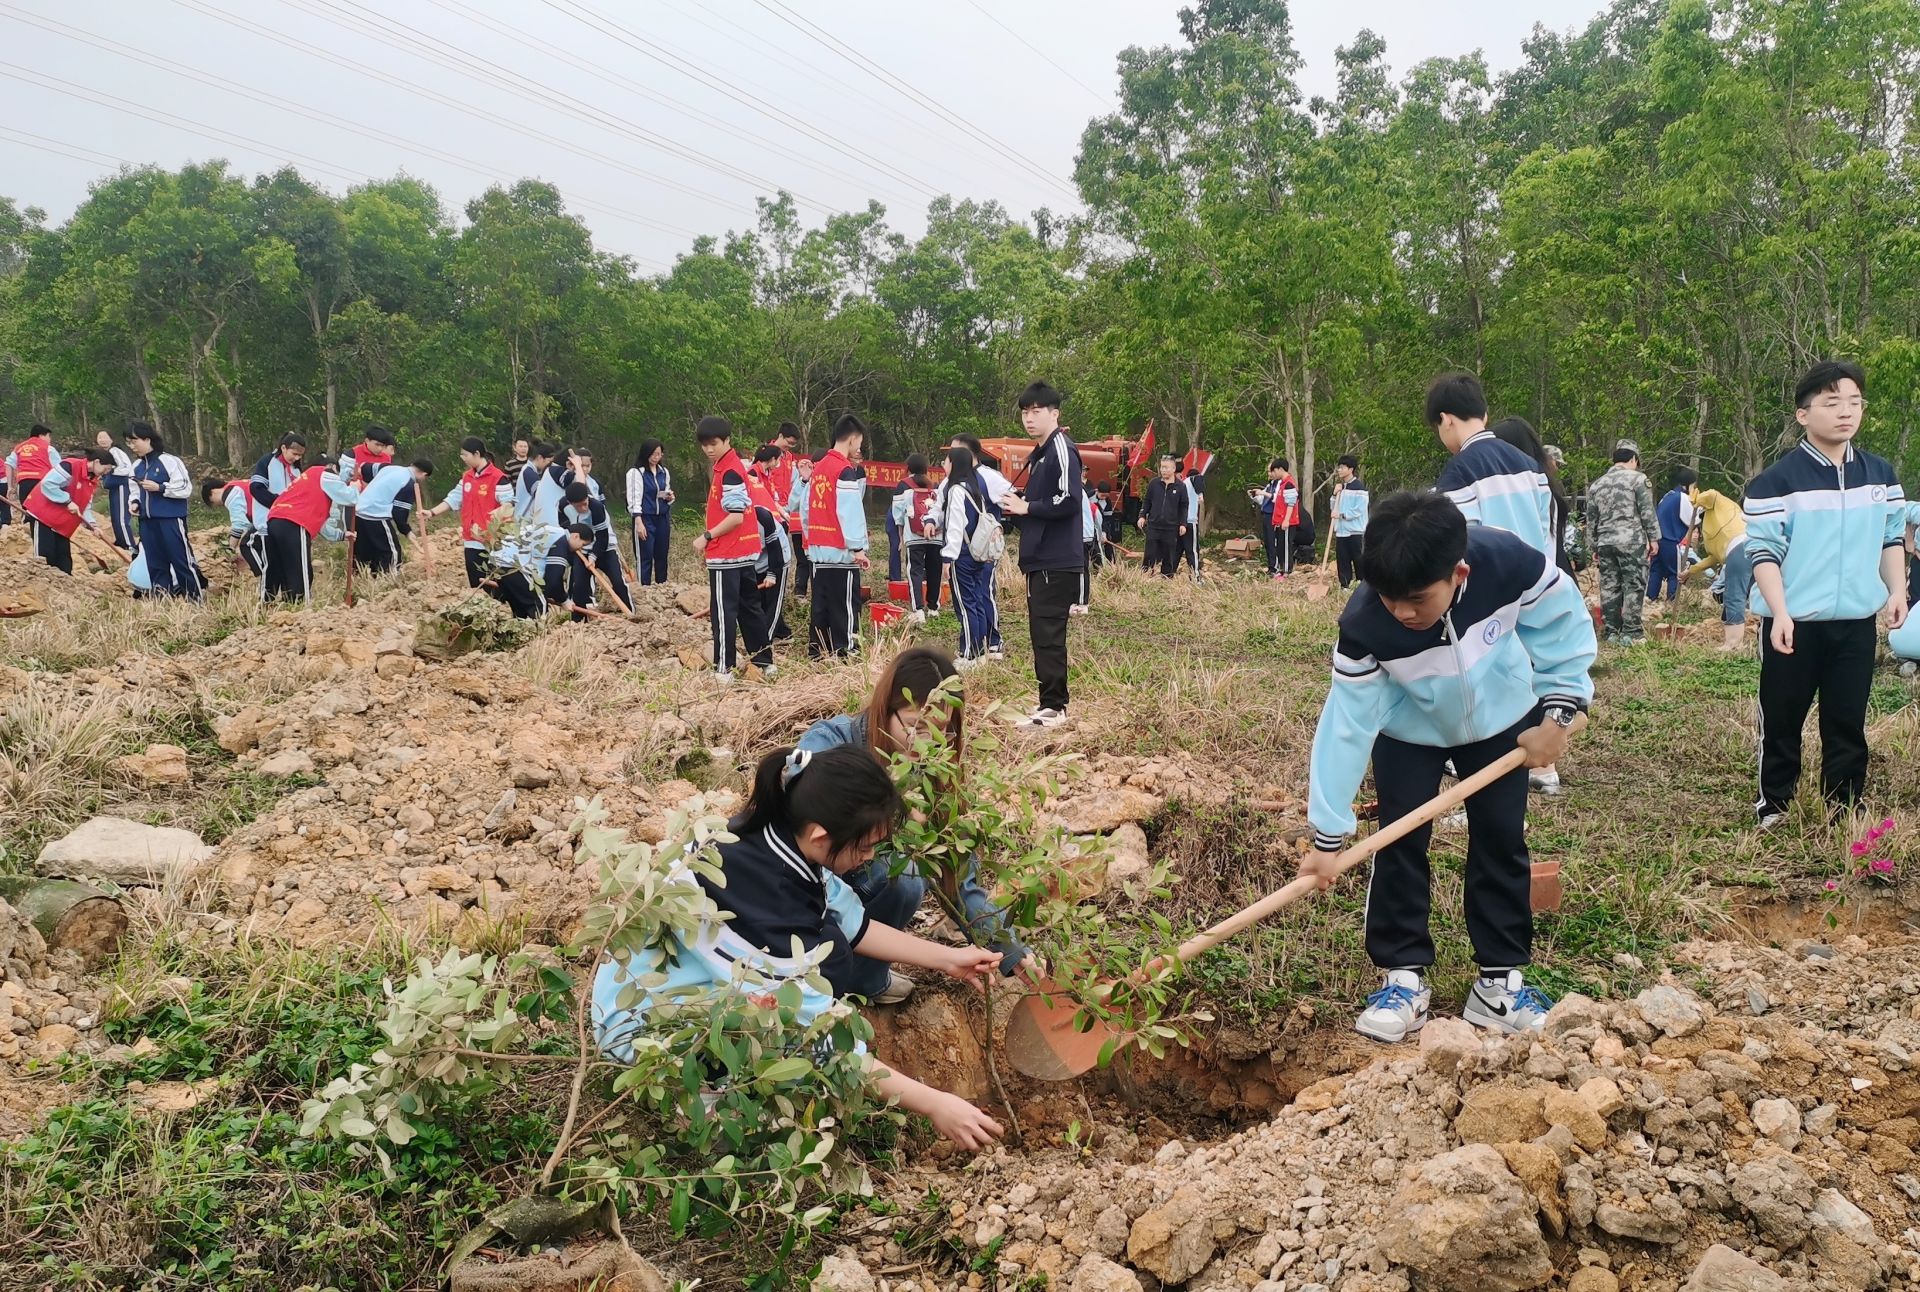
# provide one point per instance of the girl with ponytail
(811, 819)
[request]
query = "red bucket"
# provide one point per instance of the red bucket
(898, 590)
(884, 613)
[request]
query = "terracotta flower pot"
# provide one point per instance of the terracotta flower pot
(1547, 891)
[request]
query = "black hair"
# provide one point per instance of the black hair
(1039, 395)
(1458, 393)
(787, 431)
(144, 431)
(1349, 461)
(1519, 432)
(474, 444)
(47, 431)
(1280, 464)
(541, 449)
(1168, 457)
(1827, 375)
(577, 492)
(647, 447)
(292, 438)
(962, 473)
(981, 458)
(816, 456)
(1684, 476)
(1624, 454)
(521, 439)
(100, 455)
(423, 465)
(207, 486)
(843, 790)
(917, 470)
(378, 434)
(582, 452)
(847, 427)
(580, 529)
(713, 428)
(767, 453)
(1413, 541)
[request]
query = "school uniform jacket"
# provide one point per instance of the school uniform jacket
(963, 512)
(775, 897)
(1493, 483)
(176, 486)
(562, 571)
(1825, 526)
(1050, 531)
(594, 514)
(1518, 634)
(389, 496)
(271, 476)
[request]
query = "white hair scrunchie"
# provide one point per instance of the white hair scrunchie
(796, 763)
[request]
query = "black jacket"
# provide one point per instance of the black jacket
(1056, 506)
(1165, 505)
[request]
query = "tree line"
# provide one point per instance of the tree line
(1643, 230)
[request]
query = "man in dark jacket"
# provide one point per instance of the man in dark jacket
(1050, 515)
(1163, 515)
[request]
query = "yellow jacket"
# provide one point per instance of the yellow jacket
(1720, 523)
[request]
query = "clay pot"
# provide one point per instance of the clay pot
(1547, 891)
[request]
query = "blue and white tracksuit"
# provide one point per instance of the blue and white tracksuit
(645, 485)
(117, 483)
(249, 542)
(775, 897)
(384, 511)
(1495, 484)
(163, 525)
(271, 476)
(536, 501)
(891, 888)
(995, 487)
(974, 600)
(1517, 639)
(1824, 528)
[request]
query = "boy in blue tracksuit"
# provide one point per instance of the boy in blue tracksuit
(1461, 641)
(385, 512)
(1824, 528)
(1675, 517)
(1490, 481)
(568, 576)
(1349, 517)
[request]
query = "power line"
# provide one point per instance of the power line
(286, 105)
(245, 143)
(988, 15)
(47, 144)
(412, 40)
(683, 66)
(843, 88)
(621, 81)
(826, 39)
(469, 109)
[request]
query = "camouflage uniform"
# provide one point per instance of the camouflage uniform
(1620, 510)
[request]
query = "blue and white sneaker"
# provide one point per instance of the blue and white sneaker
(1397, 1010)
(1502, 1002)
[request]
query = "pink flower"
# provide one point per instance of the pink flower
(1860, 847)
(1832, 884)
(1886, 824)
(1881, 865)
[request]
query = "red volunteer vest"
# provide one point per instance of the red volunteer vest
(479, 498)
(33, 458)
(781, 480)
(823, 502)
(55, 516)
(744, 541)
(304, 503)
(760, 492)
(1285, 516)
(917, 509)
(363, 457)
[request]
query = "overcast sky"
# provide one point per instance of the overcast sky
(657, 119)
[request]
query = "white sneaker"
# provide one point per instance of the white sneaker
(1504, 1003)
(1397, 1010)
(898, 988)
(1044, 718)
(1544, 781)
(917, 617)
(1768, 820)
(770, 672)
(1076, 610)
(996, 652)
(722, 675)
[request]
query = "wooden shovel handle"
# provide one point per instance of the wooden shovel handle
(1352, 856)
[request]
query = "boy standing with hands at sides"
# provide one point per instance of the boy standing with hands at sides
(1824, 526)
(730, 545)
(1349, 517)
(1163, 517)
(1435, 667)
(837, 541)
(1490, 481)
(1049, 512)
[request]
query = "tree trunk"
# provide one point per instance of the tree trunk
(1308, 482)
(86, 427)
(333, 405)
(1698, 439)
(236, 432)
(145, 375)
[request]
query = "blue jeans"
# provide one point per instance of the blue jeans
(892, 899)
(1739, 576)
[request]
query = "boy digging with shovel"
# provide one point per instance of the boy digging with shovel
(1459, 643)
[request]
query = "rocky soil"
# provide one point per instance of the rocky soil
(1750, 1126)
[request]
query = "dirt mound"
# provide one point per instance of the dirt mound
(1774, 1111)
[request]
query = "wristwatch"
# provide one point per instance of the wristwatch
(706, 535)
(1561, 716)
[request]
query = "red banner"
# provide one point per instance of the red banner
(888, 475)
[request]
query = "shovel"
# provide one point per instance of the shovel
(1044, 1040)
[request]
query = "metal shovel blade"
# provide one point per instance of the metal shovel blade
(1042, 1041)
